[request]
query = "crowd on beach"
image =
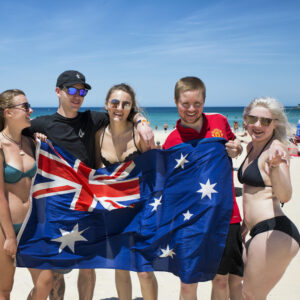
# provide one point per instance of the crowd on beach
(249, 268)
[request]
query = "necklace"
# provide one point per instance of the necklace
(13, 141)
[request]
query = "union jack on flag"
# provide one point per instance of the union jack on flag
(110, 191)
(168, 210)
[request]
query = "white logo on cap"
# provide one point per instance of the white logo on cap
(78, 76)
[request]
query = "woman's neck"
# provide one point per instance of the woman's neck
(13, 132)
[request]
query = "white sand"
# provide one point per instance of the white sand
(168, 284)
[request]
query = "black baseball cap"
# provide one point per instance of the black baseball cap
(71, 77)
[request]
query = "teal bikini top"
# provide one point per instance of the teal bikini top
(13, 175)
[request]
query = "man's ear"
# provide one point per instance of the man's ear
(57, 91)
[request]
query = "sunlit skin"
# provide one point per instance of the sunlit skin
(21, 115)
(268, 253)
(190, 108)
(119, 114)
(69, 104)
(259, 133)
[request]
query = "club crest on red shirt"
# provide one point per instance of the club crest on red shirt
(217, 133)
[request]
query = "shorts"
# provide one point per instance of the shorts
(232, 259)
(62, 271)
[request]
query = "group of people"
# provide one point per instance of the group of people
(101, 139)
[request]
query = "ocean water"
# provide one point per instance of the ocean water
(158, 116)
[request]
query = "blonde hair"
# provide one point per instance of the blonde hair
(283, 129)
(6, 100)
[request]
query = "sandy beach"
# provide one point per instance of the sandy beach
(168, 284)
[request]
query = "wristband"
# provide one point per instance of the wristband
(142, 121)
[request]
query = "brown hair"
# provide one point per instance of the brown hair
(189, 83)
(6, 100)
(129, 90)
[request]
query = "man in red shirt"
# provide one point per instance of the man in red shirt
(193, 124)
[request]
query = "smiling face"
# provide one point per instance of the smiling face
(190, 107)
(19, 112)
(257, 124)
(118, 106)
(69, 104)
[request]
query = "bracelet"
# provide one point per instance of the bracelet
(142, 121)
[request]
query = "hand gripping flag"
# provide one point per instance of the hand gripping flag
(168, 210)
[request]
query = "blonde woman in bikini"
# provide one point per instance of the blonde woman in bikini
(266, 177)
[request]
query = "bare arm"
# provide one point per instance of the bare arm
(145, 131)
(10, 243)
(277, 166)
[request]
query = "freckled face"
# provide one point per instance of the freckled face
(190, 107)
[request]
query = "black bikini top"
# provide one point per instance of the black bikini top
(131, 156)
(251, 175)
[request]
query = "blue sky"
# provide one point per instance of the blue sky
(240, 49)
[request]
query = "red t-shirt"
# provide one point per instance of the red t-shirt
(214, 125)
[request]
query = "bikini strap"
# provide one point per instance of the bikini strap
(102, 138)
(265, 145)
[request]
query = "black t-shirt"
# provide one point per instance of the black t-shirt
(75, 135)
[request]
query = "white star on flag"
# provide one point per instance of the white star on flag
(156, 203)
(68, 238)
(207, 189)
(187, 215)
(181, 161)
(167, 252)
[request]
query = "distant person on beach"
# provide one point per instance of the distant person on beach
(166, 127)
(235, 126)
(193, 124)
(266, 177)
(17, 167)
(120, 142)
(74, 131)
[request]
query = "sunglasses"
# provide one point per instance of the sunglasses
(263, 121)
(74, 91)
(114, 103)
(24, 106)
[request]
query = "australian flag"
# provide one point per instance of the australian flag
(167, 210)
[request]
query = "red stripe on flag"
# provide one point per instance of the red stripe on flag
(52, 190)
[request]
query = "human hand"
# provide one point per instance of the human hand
(10, 246)
(233, 148)
(41, 136)
(277, 154)
(146, 134)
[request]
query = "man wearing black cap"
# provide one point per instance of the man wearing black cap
(74, 131)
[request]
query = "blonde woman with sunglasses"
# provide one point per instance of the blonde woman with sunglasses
(265, 174)
(119, 142)
(17, 167)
